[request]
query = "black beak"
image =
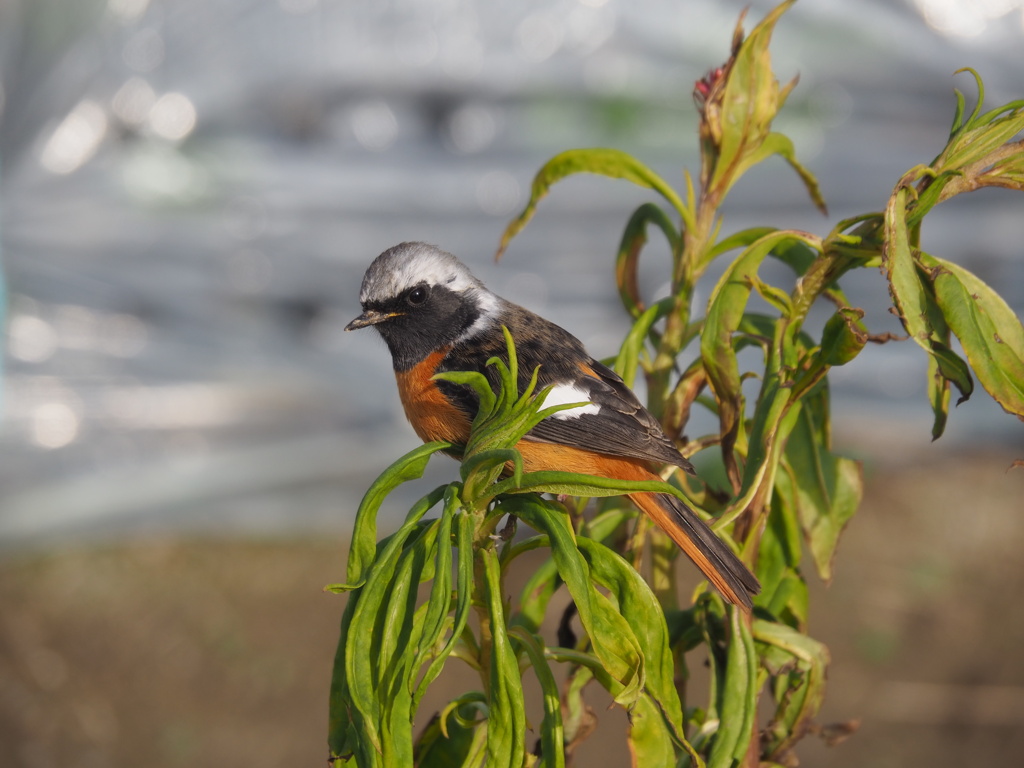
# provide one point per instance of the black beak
(370, 317)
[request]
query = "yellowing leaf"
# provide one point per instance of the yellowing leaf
(990, 332)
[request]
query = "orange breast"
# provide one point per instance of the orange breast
(428, 410)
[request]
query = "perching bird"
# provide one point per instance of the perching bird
(435, 316)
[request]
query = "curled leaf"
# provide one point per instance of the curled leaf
(604, 162)
(913, 298)
(364, 534)
(633, 239)
(844, 336)
(991, 334)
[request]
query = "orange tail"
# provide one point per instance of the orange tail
(717, 562)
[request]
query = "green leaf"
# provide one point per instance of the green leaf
(551, 731)
(455, 737)
(401, 626)
(343, 737)
(750, 100)
(980, 152)
(364, 532)
(633, 240)
(799, 255)
(739, 696)
(650, 740)
(913, 298)
(439, 603)
(772, 419)
(479, 468)
(536, 594)
(613, 639)
(958, 122)
(508, 392)
(725, 312)
(776, 297)
(463, 522)
(641, 610)
(479, 384)
(355, 710)
(769, 429)
(575, 484)
(607, 524)
(938, 396)
(629, 354)
(578, 719)
(953, 368)
(464, 572)
(783, 592)
(778, 144)
(382, 615)
(844, 336)
(909, 295)
(803, 688)
(741, 239)
(355, 713)
(828, 488)
(656, 720)
(990, 332)
(506, 718)
(981, 137)
(604, 162)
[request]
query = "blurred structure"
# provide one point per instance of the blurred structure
(192, 189)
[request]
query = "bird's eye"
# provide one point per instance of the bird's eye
(417, 296)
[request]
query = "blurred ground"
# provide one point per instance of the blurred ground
(211, 652)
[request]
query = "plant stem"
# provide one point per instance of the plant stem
(693, 244)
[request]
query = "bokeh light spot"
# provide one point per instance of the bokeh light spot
(374, 125)
(173, 116)
(76, 139)
(31, 339)
(54, 425)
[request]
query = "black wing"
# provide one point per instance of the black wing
(621, 426)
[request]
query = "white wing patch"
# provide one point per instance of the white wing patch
(566, 393)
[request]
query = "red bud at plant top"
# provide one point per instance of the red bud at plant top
(702, 88)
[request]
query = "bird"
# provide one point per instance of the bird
(435, 317)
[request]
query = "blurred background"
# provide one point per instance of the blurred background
(191, 191)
